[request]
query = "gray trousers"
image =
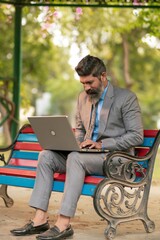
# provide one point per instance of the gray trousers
(76, 166)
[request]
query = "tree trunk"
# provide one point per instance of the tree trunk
(127, 78)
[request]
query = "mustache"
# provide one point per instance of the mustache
(91, 92)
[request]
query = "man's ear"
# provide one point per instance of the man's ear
(103, 76)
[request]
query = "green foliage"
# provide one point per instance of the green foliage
(118, 36)
(64, 92)
(150, 21)
(105, 31)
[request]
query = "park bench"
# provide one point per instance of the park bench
(120, 195)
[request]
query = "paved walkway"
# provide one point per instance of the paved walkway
(87, 224)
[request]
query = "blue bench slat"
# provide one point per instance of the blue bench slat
(144, 164)
(148, 142)
(88, 189)
(29, 137)
(25, 155)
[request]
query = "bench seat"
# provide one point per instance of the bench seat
(22, 177)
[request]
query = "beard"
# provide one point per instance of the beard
(95, 94)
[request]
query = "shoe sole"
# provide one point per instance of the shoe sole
(28, 234)
(69, 235)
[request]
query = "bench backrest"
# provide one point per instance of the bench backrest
(22, 162)
(26, 148)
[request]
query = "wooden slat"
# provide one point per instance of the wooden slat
(88, 179)
(25, 155)
(22, 162)
(142, 151)
(29, 137)
(27, 130)
(17, 172)
(150, 133)
(148, 142)
(28, 146)
(58, 186)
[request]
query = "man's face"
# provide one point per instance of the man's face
(93, 86)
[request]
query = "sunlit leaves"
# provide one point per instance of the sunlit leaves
(48, 35)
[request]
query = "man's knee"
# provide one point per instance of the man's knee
(44, 157)
(75, 158)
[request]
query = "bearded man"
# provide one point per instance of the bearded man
(107, 117)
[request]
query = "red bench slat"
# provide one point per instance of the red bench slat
(27, 130)
(27, 146)
(142, 151)
(150, 133)
(18, 172)
(22, 162)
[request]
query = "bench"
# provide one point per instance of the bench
(111, 192)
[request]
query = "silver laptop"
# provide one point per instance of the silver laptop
(56, 133)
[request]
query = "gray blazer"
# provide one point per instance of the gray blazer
(120, 126)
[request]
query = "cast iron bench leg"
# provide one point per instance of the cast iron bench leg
(3, 194)
(148, 225)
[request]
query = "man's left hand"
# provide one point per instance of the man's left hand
(91, 144)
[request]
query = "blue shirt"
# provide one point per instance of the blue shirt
(98, 110)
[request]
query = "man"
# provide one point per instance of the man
(107, 117)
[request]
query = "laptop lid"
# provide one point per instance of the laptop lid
(54, 132)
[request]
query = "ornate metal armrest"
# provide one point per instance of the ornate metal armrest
(123, 195)
(123, 166)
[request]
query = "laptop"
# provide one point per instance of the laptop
(56, 133)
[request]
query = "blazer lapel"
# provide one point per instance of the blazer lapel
(108, 100)
(87, 113)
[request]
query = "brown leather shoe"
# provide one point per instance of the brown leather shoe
(55, 234)
(29, 229)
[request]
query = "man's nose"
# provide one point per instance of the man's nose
(87, 87)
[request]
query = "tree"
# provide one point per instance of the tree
(118, 36)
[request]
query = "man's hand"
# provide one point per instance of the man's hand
(90, 144)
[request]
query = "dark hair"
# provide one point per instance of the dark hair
(90, 65)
